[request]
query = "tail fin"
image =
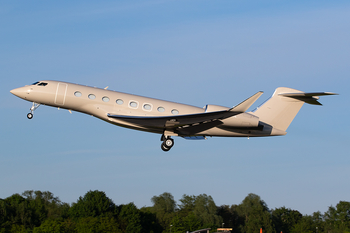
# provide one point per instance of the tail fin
(280, 110)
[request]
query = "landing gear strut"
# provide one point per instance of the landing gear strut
(32, 109)
(167, 144)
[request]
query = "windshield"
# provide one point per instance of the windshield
(40, 84)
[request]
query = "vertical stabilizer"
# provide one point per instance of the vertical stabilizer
(279, 111)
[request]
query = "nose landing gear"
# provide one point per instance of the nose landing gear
(32, 109)
(30, 115)
(167, 143)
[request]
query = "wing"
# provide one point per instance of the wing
(189, 124)
(169, 122)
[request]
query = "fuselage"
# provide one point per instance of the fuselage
(101, 103)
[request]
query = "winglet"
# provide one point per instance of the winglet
(242, 107)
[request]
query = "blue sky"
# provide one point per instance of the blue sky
(195, 52)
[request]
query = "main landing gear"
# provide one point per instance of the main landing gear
(167, 144)
(32, 109)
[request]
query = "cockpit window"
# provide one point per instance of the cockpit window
(40, 84)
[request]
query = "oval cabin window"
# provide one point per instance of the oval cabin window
(147, 107)
(174, 111)
(133, 104)
(161, 109)
(77, 93)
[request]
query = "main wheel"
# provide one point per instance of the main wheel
(29, 115)
(164, 148)
(169, 142)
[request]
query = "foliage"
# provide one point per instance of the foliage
(93, 204)
(164, 207)
(256, 215)
(41, 212)
(130, 218)
(284, 219)
(337, 219)
(231, 218)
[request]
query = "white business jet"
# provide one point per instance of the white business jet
(170, 118)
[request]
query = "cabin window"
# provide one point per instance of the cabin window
(174, 111)
(77, 93)
(147, 107)
(161, 109)
(105, 99)
(133, 104)
(92, 96)
(119, 101)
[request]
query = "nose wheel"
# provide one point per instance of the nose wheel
(32, 109)
(167, 143)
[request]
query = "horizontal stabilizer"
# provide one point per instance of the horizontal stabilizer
(242, 107)
(310, 98)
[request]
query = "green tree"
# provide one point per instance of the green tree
(187, 204)
(304, 225)
(231, 218)
(256, 215)
(15, 228)
(16, 212)
(317, 219)
(97, 225)
(284, 219)
(206, 210)
(149, 221)
(191, 222)
(30, 210)
(164, 207)
(93, 204)
(49, 226)
(130, 218)
(177, 225)
(343, 215)
(337, 219)
(197, 212)
(68, 225)
(45, 205)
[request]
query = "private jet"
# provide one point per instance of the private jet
(170, 118)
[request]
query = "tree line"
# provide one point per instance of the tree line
(39, 212)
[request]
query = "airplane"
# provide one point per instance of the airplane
(169, 119)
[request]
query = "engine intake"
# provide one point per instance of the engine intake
(214, 108)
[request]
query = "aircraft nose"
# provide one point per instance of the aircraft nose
(20, 92)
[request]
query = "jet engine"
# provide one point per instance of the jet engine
(239, 120)
(214, 108)
(242, 120)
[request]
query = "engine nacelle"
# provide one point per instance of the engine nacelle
(242, 120)
(214, 108)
